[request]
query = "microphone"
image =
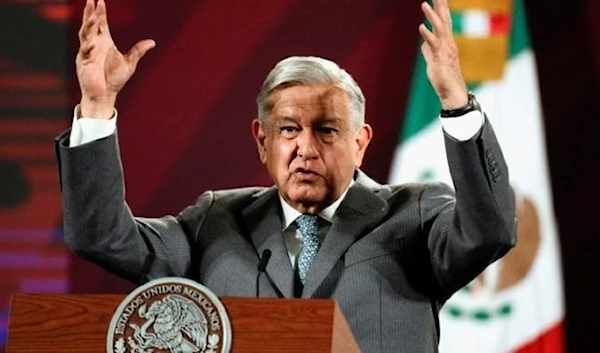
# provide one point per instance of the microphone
(262, 266)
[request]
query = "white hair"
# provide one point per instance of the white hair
(308, 70)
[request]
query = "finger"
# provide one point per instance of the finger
(429, 37)
(86, 50)
(102, 20)
(88, 10)
(432, 17)
(443, 10)
(88, 29)
(426, 50)
(136, 52)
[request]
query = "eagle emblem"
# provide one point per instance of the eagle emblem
(173, 315)
(176, 324)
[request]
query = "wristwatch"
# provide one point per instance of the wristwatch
(472, 105)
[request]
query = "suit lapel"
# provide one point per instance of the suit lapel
(263, 220)
(359, 213)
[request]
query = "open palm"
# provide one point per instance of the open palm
(441, 54)
(102, 70)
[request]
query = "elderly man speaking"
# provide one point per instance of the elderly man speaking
(390, 255)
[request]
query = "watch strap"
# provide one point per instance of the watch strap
(471, 105)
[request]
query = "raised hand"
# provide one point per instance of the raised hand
(441, 54)
(102, 70)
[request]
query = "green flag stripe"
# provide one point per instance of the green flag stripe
(457, 23)
(423, 104)
(519, 36)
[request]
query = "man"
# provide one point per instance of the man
(389, 255)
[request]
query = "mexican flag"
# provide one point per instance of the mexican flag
(516, 305)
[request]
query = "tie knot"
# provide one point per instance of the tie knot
(308, 224)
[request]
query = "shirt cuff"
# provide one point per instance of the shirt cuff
(85, 129)
(463, 127)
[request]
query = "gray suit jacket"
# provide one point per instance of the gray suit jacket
(392, 257)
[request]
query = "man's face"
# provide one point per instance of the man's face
(310, 144)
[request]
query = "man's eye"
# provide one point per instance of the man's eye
(327, 130)
(288, 129)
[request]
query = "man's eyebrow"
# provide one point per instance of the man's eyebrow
(329, 119)
(286, 119)
(321, 120)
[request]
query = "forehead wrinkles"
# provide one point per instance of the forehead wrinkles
(312, 100)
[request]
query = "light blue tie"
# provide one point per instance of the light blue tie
(309, 227)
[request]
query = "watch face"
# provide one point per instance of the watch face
(474, 102)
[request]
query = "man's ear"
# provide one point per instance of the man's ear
(363, 137)
(260, 136)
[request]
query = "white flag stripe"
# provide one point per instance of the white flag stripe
(476, 23)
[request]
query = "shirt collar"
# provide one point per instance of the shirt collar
(290, 214)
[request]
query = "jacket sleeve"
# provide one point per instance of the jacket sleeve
(100, 227)
(477, 226)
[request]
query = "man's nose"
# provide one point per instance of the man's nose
(307, 144)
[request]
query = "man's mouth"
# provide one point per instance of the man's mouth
(302, 174)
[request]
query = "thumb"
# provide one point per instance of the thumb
(136, 52)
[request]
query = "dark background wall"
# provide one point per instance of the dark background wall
(184, 119)
(566, 37)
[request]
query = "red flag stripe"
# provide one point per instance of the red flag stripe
(500, 23)
(551, 341)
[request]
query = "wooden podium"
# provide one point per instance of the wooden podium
(69, 323)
